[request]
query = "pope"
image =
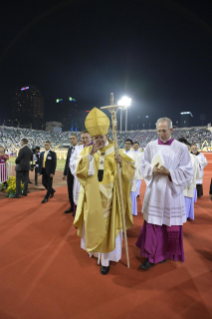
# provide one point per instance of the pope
(98, 216)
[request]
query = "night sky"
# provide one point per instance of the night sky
(159, 53)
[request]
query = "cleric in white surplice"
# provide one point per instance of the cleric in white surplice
(167, 169)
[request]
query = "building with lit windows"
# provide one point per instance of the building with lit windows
(69, 115)
(28, 106)
(186, 119)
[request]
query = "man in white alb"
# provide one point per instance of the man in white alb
(139, 156)
(190, 190)
(86, 141)
(167, 169)
(202, 162)
(129, 152)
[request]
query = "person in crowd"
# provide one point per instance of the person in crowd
(129, 152)
(3, 167)
(85, 141)
(67, 172)
(190, 190)
(98, 216)
(36, 158)
(203, 163)
(47, 167)
(210, 191)
(22, 168)
(167, 169)
(139, 176)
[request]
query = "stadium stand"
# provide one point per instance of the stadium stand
(10, 137)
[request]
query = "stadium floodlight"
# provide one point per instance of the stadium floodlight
(184, 113)
(125, 102)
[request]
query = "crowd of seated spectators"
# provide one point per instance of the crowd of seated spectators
(10, 137)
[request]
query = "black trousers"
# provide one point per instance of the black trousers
(47, 183)
(36, 174)
(70, 183)
(199, 190)
(22, 176)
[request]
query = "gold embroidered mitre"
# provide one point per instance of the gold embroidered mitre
(97, 122)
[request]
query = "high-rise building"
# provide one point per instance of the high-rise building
(27, 106)
(69, 115)
(185, 119)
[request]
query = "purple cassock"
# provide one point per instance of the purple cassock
(161, 242)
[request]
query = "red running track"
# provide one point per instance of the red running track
(45, 275)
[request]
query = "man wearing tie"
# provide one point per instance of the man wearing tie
(22, 168)
(47, 166)
(67, 173)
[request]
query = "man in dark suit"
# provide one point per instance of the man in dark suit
(36, 158)
(22, 168)
(47, 167)
(210, 191)
(67, 173)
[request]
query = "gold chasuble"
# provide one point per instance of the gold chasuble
(98, 208)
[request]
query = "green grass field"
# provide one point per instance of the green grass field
(60, 163)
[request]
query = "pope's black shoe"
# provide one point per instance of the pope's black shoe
(45, 200)
(146, 264)
(104, 270)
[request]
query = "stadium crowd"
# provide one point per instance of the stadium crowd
(10, 137)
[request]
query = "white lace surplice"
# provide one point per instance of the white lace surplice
(164, 200)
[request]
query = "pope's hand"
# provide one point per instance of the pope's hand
(96, 146)
(160, 171)
(118, 159)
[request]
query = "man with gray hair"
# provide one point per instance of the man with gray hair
(167, 169)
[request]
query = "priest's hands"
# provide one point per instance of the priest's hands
(118, 159)
(160, 171)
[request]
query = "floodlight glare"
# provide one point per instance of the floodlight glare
(125, 102)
